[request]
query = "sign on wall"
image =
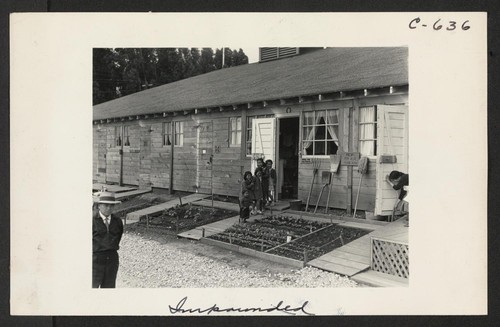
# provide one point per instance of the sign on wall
(349, 158)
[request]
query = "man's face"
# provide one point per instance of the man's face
(259, 163)
(106, 208)
(269, 164)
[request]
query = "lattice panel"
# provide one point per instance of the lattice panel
(390, 258)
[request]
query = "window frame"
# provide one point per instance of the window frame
(325, 125)
(179, 134)
(126, 136)
(375, 132)
(235, 132)
(166, 131)
(118, 137)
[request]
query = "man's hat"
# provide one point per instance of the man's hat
(107, 197)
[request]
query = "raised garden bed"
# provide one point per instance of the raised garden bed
(185, 217)
(289, 237)
(318, 243)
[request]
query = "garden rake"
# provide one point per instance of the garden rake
(316, 164)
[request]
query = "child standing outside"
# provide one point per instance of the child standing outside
(271, 181)
(258, 191)
(246, 195)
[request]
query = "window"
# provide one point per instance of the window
(126, 136)
(234, 131)
(118, 136)
(368, 131)
(178, 133)
(319, 132)
(249, 132)
(166, 133)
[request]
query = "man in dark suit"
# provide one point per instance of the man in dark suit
(107, 232)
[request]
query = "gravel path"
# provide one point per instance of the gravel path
(147, 263)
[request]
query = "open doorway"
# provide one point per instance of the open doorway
(288, 158)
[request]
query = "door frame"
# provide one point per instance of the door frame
(279, 117)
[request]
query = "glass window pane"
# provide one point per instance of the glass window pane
(331, 147)
(332, 116)
(249, 122)
(307, 134)
(320, 132)
(319, 148)
(308, 118)
(367, 115)
(307, 148)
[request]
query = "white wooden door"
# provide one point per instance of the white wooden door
(392, 139)
(263, 140)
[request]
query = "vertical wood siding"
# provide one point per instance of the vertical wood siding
(146, 162)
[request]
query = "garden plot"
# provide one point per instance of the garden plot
(290, 237)
(185, 217)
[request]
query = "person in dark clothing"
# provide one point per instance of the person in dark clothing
(398, 181)
(246, 195)
(107, 231)
(258, 191)
(270, 173)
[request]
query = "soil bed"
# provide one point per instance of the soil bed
(185, 217)
(319, 243)
(289, 237)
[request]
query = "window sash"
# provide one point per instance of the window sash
(179, 133)
(126, 138)
(368, 131)
(320, 130)
(166, 133)
(235, 131)
(118, 136)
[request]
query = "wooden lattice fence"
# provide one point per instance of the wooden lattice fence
(390, 257)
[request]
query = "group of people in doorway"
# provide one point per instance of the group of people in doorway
(257, 190)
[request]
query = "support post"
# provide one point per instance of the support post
(172, 141)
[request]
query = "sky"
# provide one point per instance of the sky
(252, 53)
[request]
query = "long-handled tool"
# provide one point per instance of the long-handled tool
(362, 169)
(334, 167)
(321, 193)
(316, 164)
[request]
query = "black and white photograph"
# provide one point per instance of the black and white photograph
(298, 158)
(256, 165)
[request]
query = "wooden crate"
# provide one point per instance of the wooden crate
(390, 257)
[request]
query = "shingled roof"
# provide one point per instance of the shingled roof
(323, 71)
